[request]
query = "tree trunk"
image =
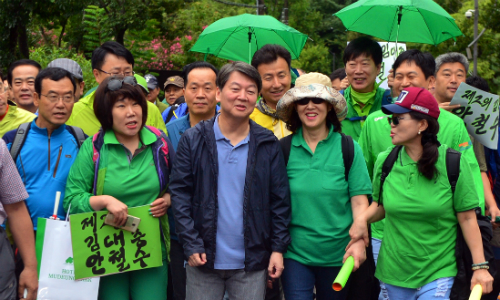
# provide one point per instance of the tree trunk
(119, 34)
(23, 41)
(64, 22)
(262, 10)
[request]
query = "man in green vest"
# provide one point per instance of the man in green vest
(363, 61)
(111, 58)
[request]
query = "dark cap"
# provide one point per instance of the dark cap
(152, 81)
(174, 80)
(69, 65)
(414, 99)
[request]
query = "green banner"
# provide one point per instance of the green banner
(100, 249)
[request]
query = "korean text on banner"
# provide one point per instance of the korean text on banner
(479, 110)
(388, 58)
(100, 249)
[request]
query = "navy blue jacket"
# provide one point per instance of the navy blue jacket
(266, 199)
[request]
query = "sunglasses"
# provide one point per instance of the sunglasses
(395, 120)
(116, 84)
(305, 101)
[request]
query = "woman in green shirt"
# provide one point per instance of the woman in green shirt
(128, 176)
(323, 202)
(417, 257)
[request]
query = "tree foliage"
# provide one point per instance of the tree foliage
(160, 33)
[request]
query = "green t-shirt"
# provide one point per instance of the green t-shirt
(375, 138)
(421, 221)
(321, 199)
(351, 125)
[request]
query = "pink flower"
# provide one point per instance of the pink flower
(189, 37)
(204, 27)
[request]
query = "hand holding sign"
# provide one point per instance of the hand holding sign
(99, 249)
(480, 112)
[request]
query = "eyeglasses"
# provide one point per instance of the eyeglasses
(395, 120)
(124, 73)
(305, 101)
(54, 98)
(116, 84)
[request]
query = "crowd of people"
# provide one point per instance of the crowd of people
(263, 182)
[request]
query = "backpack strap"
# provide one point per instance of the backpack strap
(386, 169)
(97, 142)
(78, 133)
(171, 113)
(347, 154)
(453, 167)
(19, 139)
(286, 146)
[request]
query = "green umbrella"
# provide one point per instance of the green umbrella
(239, 37)
(411, 21)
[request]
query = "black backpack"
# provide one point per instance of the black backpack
(23, 129)
(460, 289)
(347, 151)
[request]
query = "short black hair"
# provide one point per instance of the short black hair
(110, 47)
(339, 73)
(1, 76)
(478, 82)
(21, 62)
(243, 68)
(197, 65)
(363, 45)
(270, 53)
(54, 74)
(105, 99)
(424, 60)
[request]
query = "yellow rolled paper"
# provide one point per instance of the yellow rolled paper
(476, 293)
(344, 273)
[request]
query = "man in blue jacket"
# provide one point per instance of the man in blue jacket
(230, 196)
(200, 88)
(49, 147)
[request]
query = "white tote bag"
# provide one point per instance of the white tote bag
(56, 279)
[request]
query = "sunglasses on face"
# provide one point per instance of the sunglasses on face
(116, 84)
(305, 101)
(395, 120)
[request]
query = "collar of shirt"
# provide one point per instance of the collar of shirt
(44, 130)
(219, 136)
(1, 117)
(405, 159)
(299, 140)
(145, 136)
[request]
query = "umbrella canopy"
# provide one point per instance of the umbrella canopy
(239, 37)
(412, 21)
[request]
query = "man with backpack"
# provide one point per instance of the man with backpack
(45, 149)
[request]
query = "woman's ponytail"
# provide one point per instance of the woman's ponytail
(427, 162)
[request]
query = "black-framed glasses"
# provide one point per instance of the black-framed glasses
(395, 120)
(305, 101)
(124, 73)
(116, 84)
(54, 98)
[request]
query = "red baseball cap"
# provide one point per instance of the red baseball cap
(414, 99)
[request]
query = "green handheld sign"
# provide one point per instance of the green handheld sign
(345, 272)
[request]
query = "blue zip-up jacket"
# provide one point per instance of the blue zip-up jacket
(44, 164)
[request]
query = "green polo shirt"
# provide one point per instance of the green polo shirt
(375, 138)
(321, 199)
(421, 220)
